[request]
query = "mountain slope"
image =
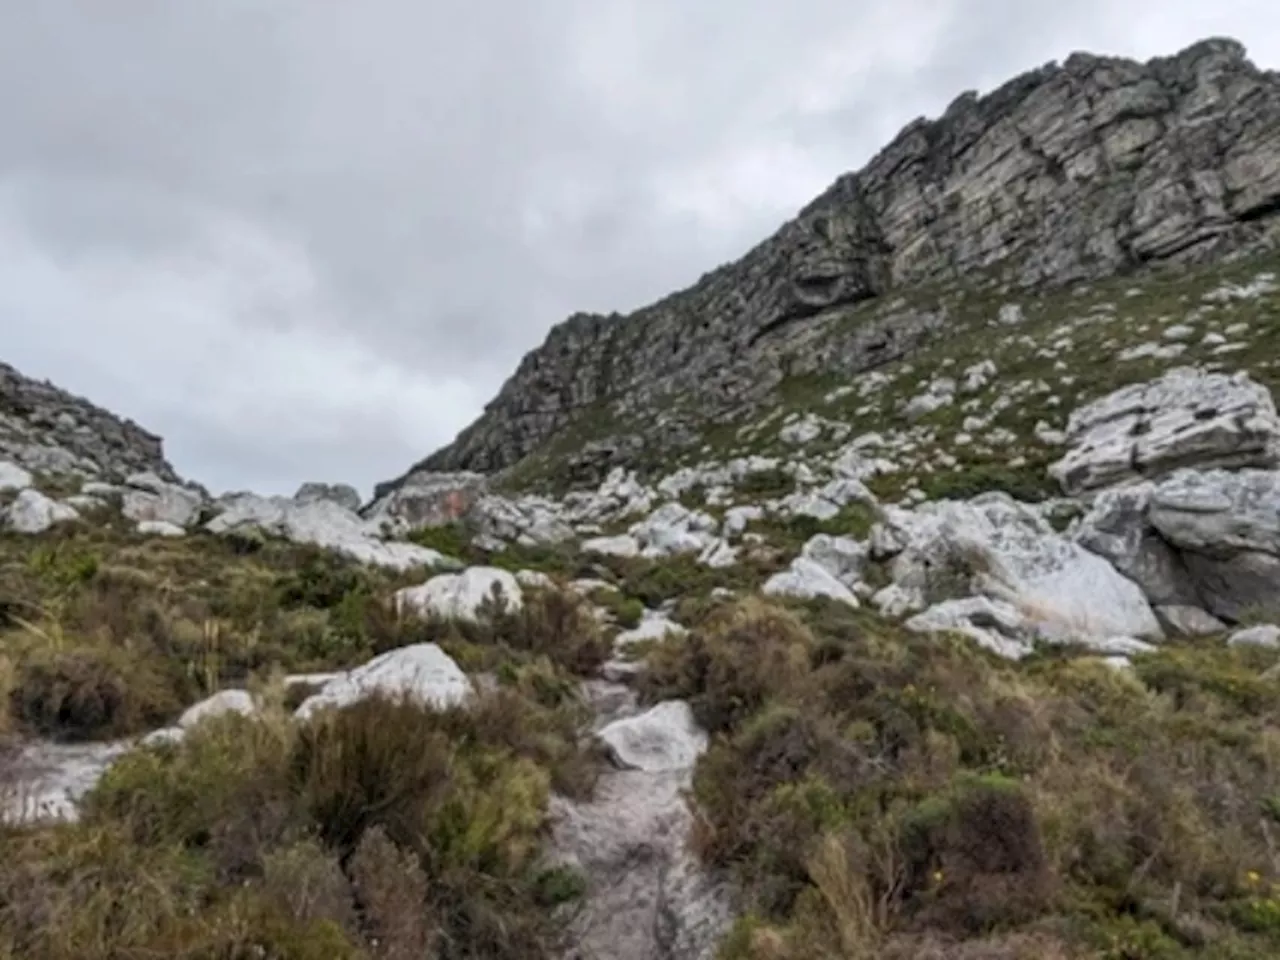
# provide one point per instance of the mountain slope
(1095, 167)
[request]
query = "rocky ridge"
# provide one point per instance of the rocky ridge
(1091, 168)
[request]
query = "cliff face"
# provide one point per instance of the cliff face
(48, 430)
(1090, 168)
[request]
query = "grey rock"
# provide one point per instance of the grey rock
(342, 494)
(32, 512)
(1265, 635)
(425, 498)
(152, 500)
(1069, 172)
(1187, 418)
(1225, 526)
(13, 477)
(1186, 621)
(47, 430)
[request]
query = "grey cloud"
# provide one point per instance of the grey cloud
(417, 191)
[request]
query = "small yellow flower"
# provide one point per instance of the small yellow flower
(937, 876)
(1253, 877)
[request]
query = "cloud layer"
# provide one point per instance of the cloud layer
(309, 239)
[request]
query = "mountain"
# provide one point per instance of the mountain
(1096, 167)
(934, 613)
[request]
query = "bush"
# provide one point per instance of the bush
(91, 693)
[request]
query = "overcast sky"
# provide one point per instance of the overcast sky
(309, 239)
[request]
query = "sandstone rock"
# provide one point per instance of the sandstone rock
(665, 737)
(993, 624)
(674, 529)
(325, 524)
(33, 512)
(1187, 621)
(422, 672)
(220, 704)
(805, 579)
(342, 494)
(160, 528)
(995, 547)
(1187, 418)
(623, 545)
(49, 779)
(1266, 635)
(1226, 527)
(462, 595)
(653, 626)
(150, 499)
(425, 498)
(1116, 528)
(13, 477)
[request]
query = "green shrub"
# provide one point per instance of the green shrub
(88, 693)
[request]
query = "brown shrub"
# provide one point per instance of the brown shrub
(91, 693)
(392, 892)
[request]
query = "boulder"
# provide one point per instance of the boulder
(220, 704)
(653, 626)
(994, 546)
(422, 672)
(32, 512)
(1187, 418)
(160, 528)
(427, 499)
(1265, 635)
(674, 529)
(325, 524)
(1225, 527)
(148, 499)
(623, 545)
(665, 737)
(342, 494)
(462, 595)
(13, 477)
(807, 579)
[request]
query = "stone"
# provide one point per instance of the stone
(160, 528)
(152, 500)
(325, 524)
(1187, 418)
(665, 737)
(342, 494)
(653, 626)
(49, 779)
(1265, 635)
(1225, 526)
(422, 672)
(1189, 621)
(993, 546)
(425, 498)
(462, 595)
(674, 529)
(32, 512)
(13, 477)
(1116, 528)
(623, 545)
(993, 624)
(221, 703)
(806, 579)
(805, 430)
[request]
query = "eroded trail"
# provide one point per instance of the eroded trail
(648, 898)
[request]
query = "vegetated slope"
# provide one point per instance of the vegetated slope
(912, 727)
(1072, 172)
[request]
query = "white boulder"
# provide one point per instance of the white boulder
(461, 595)
(422, 672)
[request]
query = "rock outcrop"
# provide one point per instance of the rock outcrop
(1084, 169)
(47, 430)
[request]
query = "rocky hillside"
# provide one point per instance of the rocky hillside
(958, 639)
(47, 430)
(1073, 172)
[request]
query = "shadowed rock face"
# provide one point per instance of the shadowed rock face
(1085, 169)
